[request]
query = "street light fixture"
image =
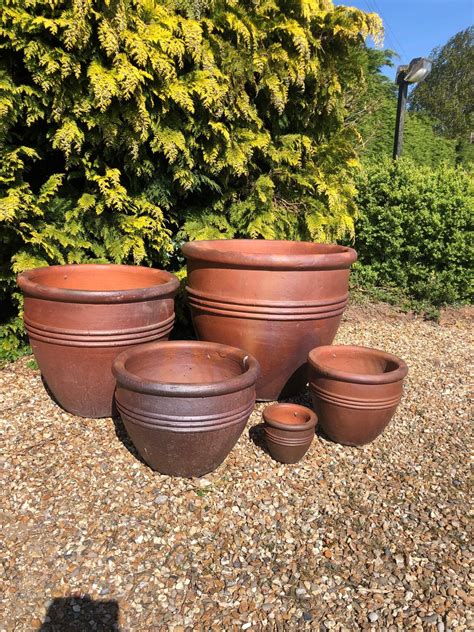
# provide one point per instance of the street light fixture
(415, 72)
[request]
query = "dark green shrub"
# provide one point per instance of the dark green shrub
(414, 233)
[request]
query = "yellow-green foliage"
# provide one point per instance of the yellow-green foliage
(127, 126)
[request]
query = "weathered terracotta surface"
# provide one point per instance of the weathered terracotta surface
(275, 299)
(355, 391)
(79, 317)
(185, 403)
(289, 431)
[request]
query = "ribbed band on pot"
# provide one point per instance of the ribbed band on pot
(293, 439)
(355, 403)
(178, 423)
(267, 310)
(103, 338)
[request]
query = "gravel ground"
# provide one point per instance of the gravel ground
(373, 538)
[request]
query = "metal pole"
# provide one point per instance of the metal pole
(402, 100)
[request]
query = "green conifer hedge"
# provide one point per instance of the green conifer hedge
(127, 126)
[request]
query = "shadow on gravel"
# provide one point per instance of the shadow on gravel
(50, 394)
(257, 435)
(123, 437)
(79, 614)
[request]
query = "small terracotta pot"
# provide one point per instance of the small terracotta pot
(79, 317)
(185, 403)
(355, 391)
(275, 299)
(289, 431)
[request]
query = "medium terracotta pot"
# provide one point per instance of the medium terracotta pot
(185, 403)
(289, 431)
(275, 299)
(355, 391)
(79, 317)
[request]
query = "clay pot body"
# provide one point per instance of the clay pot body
(275, 299)
(355, 391)
(79, 317)
(289, 431)
(184, 404)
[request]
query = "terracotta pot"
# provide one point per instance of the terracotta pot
(79, 317)
(355, 391)
(185, 403)
(289, 431)
(275, 299)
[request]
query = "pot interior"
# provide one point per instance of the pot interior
(289, 415)
(184, 365)
(357, 361)
(273, 247)
(98, 278)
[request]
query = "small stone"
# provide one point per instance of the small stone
(161, 499)
(307, 616)
(204, 482)
(76, 608)
(373, 617)
(432, 618)
(400, 560)
(440, 627)
(465, 597)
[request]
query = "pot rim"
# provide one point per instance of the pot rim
(131, 381)
(316, 361)
(207, 250)
(311, 423)
(34, 288)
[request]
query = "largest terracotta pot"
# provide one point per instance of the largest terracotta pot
(275, 299)
(80, 317)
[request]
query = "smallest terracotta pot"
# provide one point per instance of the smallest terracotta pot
(289, 430)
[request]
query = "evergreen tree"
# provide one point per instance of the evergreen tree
(447, 95)
(130, 125)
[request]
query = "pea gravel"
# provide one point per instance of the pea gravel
(372, 538)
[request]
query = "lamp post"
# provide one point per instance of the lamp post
(417, 70)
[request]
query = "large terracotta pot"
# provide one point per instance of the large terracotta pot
(185, 403)
(79, 317)
(289, 431)
(275, 299)
(355, 391)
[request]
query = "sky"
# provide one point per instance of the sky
(414, 27)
